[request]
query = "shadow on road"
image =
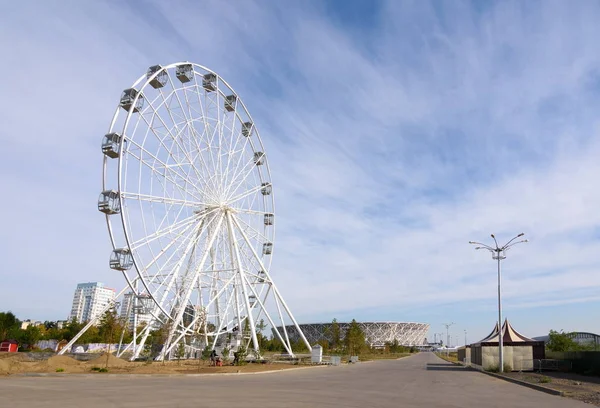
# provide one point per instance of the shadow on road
(444, 367)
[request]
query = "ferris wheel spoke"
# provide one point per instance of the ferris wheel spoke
(188, 242)
(179, 131)
(189, 121)
(156, 171)
(174, 138)
(245, 194)
(162, 200)
(253, 212)
(172, 228)
(244, 173)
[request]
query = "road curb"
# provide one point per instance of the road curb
(526, 384)
(512, 380)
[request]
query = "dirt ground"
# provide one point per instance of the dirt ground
(579, 387)
(17, 363)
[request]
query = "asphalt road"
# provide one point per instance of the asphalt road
(422, 380)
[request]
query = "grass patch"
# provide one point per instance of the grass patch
(100, 370)
(60, 370)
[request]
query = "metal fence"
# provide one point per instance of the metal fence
(541, 365)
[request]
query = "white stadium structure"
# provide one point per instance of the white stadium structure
(376, 333)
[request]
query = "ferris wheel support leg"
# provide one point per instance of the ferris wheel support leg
(285, 333)
(207, 306)
(144, 336)
(271, 322)
(243, 282)
(183, 302)
(92, 322)
(287, 309)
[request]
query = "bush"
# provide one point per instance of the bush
(226, 354)
(103, 370)
(95, 368)
(496, 369)
(60, 370)
(240, 354)
(544, 379)
(206, 353)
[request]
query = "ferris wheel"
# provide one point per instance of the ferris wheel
(188, 200)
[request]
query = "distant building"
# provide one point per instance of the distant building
(141, 308)
(61, 324)
(89, 300)
(26, 323)
(377, 334)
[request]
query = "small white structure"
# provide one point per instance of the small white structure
(316, 355)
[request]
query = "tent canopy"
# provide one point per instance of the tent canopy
(509, 335)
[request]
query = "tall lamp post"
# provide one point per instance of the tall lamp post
(465, 337)
(499, 253)
(447, 335)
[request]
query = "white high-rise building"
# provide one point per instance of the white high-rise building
(142, 308)
(89, 300)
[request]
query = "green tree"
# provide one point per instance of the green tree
(8, 322)
(355, 341)
(561, 342)
(30, 336)
(109, 329)
(180, 352)
(336, 336)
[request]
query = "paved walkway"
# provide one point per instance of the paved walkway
(422, 380)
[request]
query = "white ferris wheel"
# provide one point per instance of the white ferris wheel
(188, 200)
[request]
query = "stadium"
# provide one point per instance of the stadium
(376, 333)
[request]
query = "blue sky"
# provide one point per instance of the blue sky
(396, 131)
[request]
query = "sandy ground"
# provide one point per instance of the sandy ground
(17, 363)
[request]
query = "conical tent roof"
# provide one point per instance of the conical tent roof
(509, 335)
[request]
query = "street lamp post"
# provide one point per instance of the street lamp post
(465, 337)
(447, 335)
(499, 253)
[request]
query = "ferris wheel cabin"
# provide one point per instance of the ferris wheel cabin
(247, 128)
(109, 203)
(184, 72)
(266, 188)
(269, 217)
(252, 300)
(261, 276)
(111, 145)
(121, 259)
(267, 248)
(129, 101)
(259, 158)
(230, 103)
(209, 82)
(160, 79)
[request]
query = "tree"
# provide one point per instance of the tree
(335, 334)
(8, 321)
(355, 341)
(180, 352)
(109, 329)
(561, 342)
(30, 336)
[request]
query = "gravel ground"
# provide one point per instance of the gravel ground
(579, 387)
